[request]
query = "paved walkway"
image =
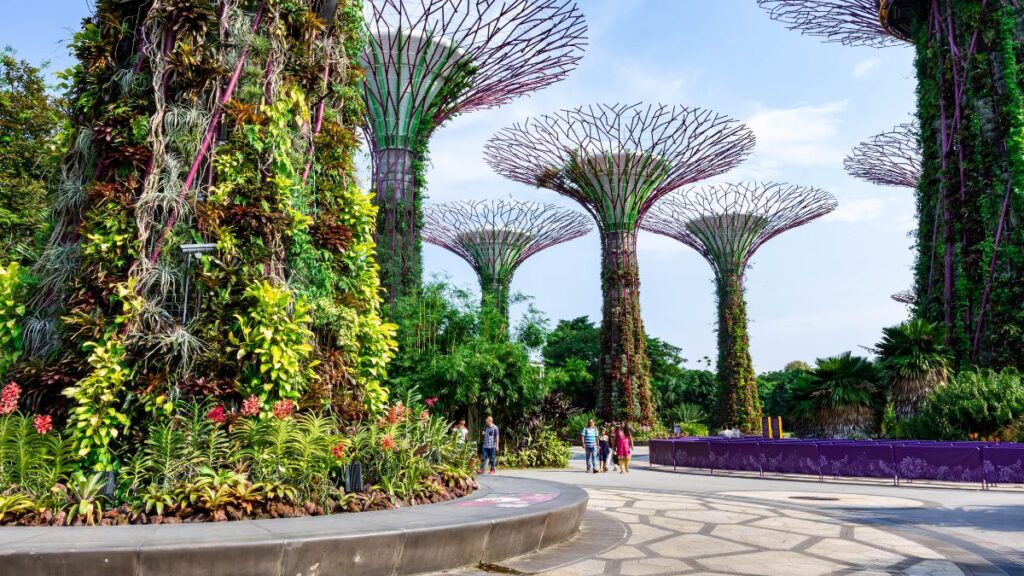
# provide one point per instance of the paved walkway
(654, 522)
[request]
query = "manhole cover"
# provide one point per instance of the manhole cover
(815, 498)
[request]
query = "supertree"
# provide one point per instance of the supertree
(727, 224)
(970, 72)
(429, 60)
(495, 237)
(616, 161)
(889, 159)
(904, 297)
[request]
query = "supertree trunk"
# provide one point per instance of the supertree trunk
(494, 301)
(399, 220)
(624, 366)
(739, 404)
(970, 250)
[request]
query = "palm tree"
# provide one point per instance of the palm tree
(838, 399)
(915, 360)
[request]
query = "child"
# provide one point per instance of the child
(605, 449)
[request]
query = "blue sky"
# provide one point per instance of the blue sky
(815, 291)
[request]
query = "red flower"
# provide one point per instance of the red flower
(251, 406)
(338, 451)
(396, 413)
(9, 398)
(430, 402)
(217, 415)
(283, 409)
(43, 424)
(387, 443)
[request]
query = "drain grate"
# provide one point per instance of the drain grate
(815, 498)
(497, 569)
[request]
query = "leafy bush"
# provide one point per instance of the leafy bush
(545, 450)
(683, 413)
(693, 429)
(575, 424)
(840, 398)
(646, 433)
(973, 405)
(12, 310)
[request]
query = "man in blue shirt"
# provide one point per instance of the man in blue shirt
(489, 445)
(589, 439)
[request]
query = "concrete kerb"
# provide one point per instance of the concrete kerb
(479, 528)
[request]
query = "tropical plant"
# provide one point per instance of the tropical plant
(12, 311)
(974, 405)
(840, 398)
(915, 361)
(543, 450)
(273, 344)
(683, 414)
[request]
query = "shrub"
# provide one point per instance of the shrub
(544, 450)
(840, 398)
(683, 414)
(12, 310)
(576, 423)
(973, 405)
(693, 429)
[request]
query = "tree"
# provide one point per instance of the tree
(774, 388)
(447, 352)
(916, 361)
(838, 399)
(30, 120)
(571, 359)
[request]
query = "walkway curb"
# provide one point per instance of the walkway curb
(479, 528)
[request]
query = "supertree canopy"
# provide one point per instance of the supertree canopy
(496, 237)
(429, 60)
(889, 159)
(851, 22)
(616, 161)
(727, 224)
(970, 72)
(904, 297)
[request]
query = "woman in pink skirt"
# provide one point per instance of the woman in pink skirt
(624, 447)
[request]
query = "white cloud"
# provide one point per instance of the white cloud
(858, 210)
(801, 136)
(867, 68)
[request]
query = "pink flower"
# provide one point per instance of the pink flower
(425, 416)
(283, 409)
(217, 415)
(430, 402)
(9, 398)
(387, 443)
(251, 406)
(43, 424)
(338, 451)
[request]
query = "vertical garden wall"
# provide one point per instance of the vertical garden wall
(970, 249)
(209, 238)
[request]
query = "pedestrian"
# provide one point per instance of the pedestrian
(461, 432)
(604, 449)
(588, 437)
(624, 448)
(614, 447)
(489, 445)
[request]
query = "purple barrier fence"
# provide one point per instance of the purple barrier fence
(985, 462)
(785, 457)
(1004, 464)
(949, 462)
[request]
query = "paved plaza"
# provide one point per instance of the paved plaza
(654, 522)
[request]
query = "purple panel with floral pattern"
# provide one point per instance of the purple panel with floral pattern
(1004, 464)
(692, 453)
(662, 452)
(790, 457)
(856, 459)
(736, 455)
(948, 462)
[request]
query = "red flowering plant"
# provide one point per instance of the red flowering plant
(9, 397)
(43, 423)
(217, 415)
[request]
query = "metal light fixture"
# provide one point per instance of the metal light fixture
(196, 252)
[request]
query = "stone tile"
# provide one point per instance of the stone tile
(895, 543)
(622, 553)
(676, 525)
(584, 568)
(859, 555)
(651, 566)
(934, 568)
(641, 533)
(760, 563)
(800, 526)
(713, 516)
(759, 537)
(695, 546)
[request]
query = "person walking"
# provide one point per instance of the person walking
(588, 438)
(604, 449)
(461, 432)
(624, 448)
(491, 440)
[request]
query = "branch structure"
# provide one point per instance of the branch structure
(616, 161)
(877, 23)
(727, 224)
(429, 60)
(904, 297)
(495, 237)
(889, 159)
